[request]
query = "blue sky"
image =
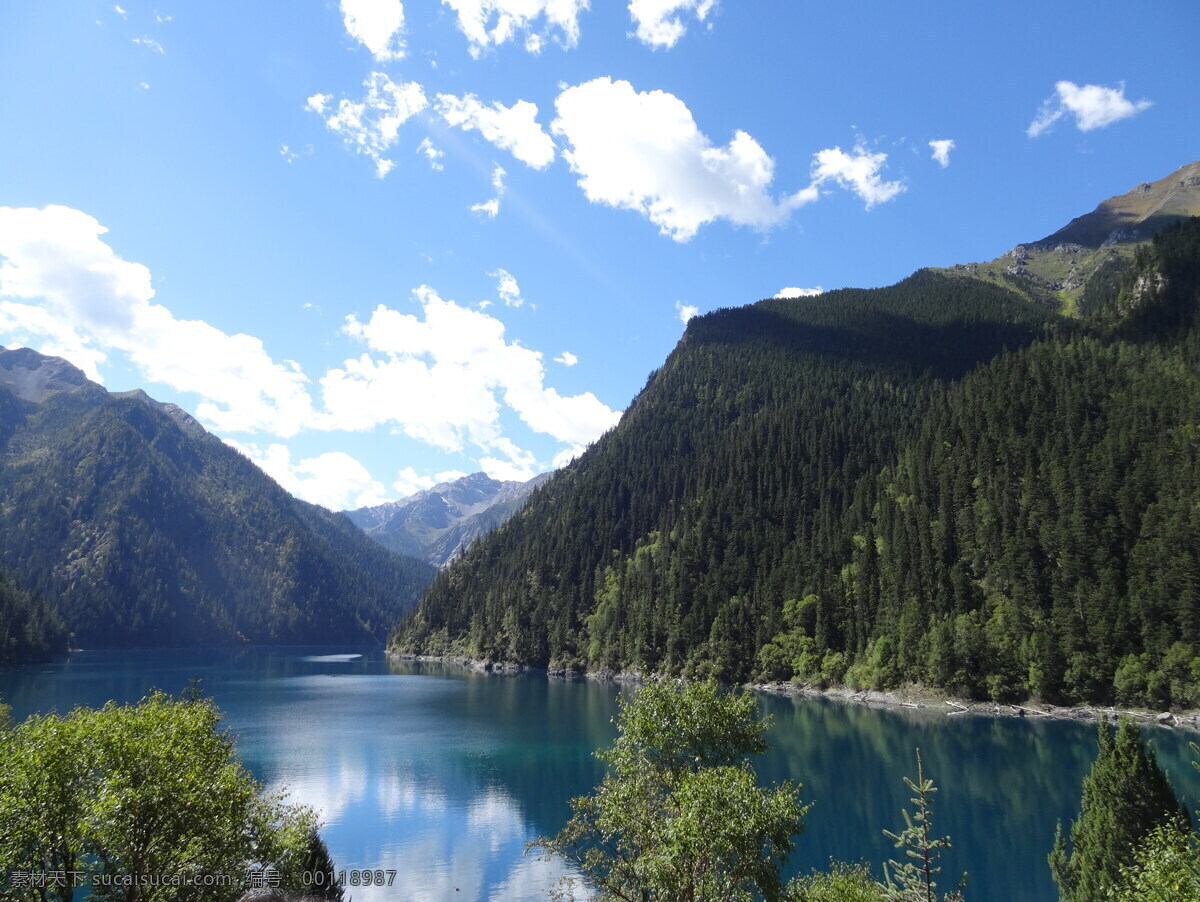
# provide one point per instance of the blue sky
(379, 243)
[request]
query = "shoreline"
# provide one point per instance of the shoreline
(911, 698)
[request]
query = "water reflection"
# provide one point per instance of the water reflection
(444, 775)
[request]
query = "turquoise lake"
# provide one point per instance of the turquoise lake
(444, 775)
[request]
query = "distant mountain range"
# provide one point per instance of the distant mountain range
(982, 479)
(141, 528)
(437, 524)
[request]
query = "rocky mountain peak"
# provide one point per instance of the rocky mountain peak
(438, 523)
(1135, 215)
(32, 376)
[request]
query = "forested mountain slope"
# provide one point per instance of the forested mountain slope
(725, 485)
(31, 630)
(938, 482)
(143, 529)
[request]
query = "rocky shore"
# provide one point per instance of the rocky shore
(909, 698)
(920, 698)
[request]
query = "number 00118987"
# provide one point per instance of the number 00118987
(351, 877)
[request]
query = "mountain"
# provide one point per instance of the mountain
(1141, 212)
(144, 529)
(438, 523)
(936, 482)
(1058, 267)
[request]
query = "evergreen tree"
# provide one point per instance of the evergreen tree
(914, 880)
(1125, 797)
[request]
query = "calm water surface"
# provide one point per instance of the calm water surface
(444, 775)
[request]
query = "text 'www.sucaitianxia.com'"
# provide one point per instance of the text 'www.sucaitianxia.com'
(77, 879)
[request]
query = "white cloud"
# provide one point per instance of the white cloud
(160, 18)
(443, 378)
(64, 291)
(513, 128)
(941, 151)
(120, 12)
(490, 208)
(149, 44)
(432, 154)
(644, 152)
(507, 288)
(490, 23)
(144, 85)
(370, 126)
(659, 23)
(799, 292)
(29, 324)
(378, 25)
(334, 479)
(566, 455)
(517, 465)
(566, 359)
(686, 311)
(409, 482)
(858, 172)
(1093, 106)
(290, 155)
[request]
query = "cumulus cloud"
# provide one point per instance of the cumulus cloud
(643, 151)
(566, 358)
(686, 311)
(513, 128)
(371, 125)
(566, 455)
(444, 376)
(149, 44)
(799, 292)
(378, 25)
(858, 171)
(409, 482)
(1093, 106)
(507, 288)
(518, 465)
(490, 23)
(64, 291)
(941, 151)
(120, 12)
(334, 480)
(490, 208)
(659, 22)
(29, 324)
(432, 154)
